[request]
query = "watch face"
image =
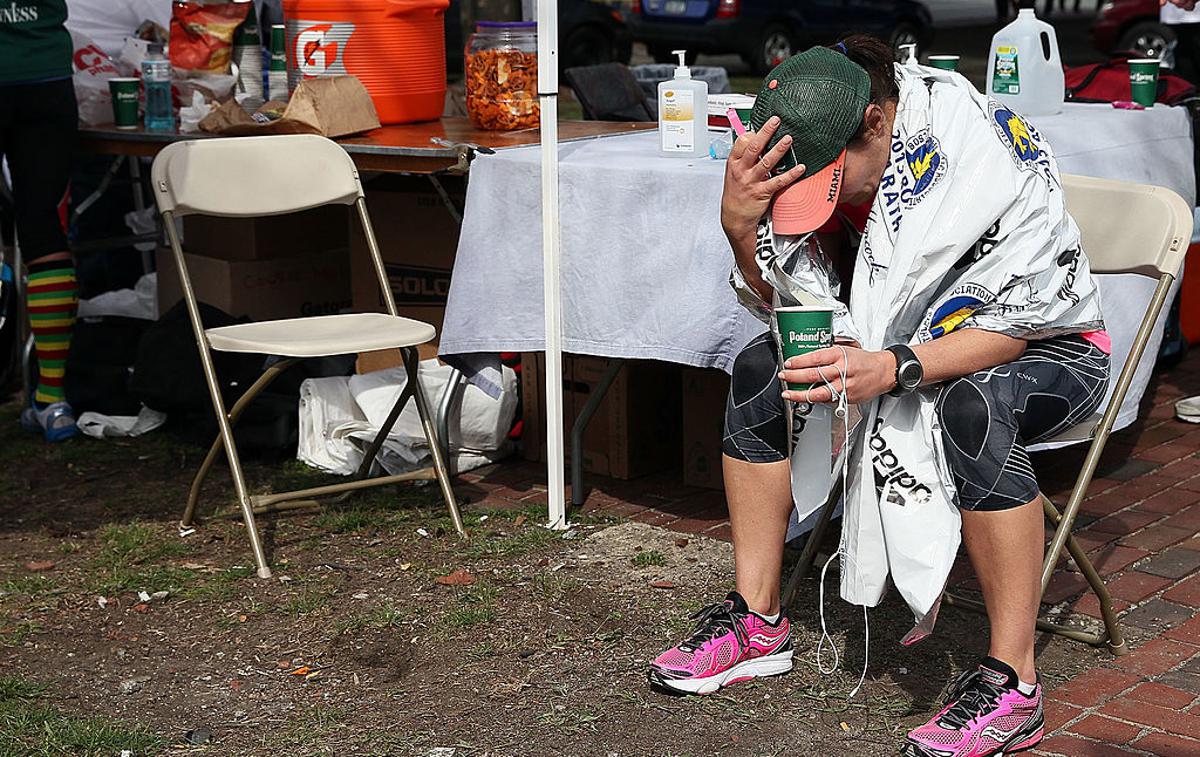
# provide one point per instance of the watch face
(910, 374)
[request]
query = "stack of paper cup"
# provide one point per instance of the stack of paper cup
(278, 79)
(247, 56)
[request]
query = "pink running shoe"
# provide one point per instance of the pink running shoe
(985, 714)
(730, 644)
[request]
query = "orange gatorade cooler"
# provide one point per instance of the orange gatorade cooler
(396, 48)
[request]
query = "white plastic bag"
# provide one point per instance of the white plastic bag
(93, 69)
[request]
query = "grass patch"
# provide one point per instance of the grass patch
(515, 544)
(651, 559)
(15, 635)
(125, 544)
(354, 520)
(309, 600)
(29, 727)
(126, 560)
(27, 586)
(555, 587)
(473, 606)
(220, 586)
(381, 616)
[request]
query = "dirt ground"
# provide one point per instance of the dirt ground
(356, 647)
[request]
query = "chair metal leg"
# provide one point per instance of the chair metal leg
(1115, 639)
(235, 412)
(411, 364)
(214, 391)
(809, 554)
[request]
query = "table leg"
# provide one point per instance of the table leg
(581, 424)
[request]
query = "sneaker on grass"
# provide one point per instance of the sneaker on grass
(729, 644)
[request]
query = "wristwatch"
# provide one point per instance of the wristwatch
(909, 372)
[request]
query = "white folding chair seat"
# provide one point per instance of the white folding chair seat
(322, 335)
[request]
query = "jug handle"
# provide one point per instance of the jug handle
(407, 7)
(1048, 40)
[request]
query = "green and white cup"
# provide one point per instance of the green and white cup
(1143, 81)
(802, 329)
(124, 91)
(944, 62)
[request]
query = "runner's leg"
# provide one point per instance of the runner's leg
(757, 474)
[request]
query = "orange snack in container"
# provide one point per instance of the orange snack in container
(501, 76)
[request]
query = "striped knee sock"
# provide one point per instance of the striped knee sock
(52, 301)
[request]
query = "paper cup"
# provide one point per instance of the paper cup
(945, 62)
(124, 91)
(802, 329)
(1143, 81)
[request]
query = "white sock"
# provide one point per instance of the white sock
(1026, 688)
(772, 619)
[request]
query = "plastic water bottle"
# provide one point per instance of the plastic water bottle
(1024, 68)
(156, 79)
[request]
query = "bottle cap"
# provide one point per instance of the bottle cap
(682, 71)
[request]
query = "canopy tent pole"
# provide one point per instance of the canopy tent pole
(547, 41)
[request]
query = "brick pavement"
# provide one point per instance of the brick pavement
(1139, 525)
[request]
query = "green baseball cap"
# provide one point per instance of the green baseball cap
(819, 97)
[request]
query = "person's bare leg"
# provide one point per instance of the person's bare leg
(760, 501)
(1006, 548)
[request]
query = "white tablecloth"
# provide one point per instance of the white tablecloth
(645, 264)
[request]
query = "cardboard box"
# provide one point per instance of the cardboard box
(704, 394)
(418, 239)
(636, 430)
(309, 232)
(262, 290)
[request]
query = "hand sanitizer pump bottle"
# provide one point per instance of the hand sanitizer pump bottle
(683, 113)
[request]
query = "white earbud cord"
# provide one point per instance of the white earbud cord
(841, 410)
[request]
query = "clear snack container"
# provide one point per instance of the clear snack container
(501, 76)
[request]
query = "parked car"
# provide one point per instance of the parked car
(765, 32)
(588, 33)
(1131, 25)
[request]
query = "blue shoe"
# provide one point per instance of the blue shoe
(55, 421)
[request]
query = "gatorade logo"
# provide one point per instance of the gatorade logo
(319, 48)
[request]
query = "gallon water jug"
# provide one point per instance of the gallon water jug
(396, 48)
(1024, 70)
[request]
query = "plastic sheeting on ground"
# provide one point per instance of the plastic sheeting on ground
(339, 416)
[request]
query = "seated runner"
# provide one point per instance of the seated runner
(969, 295)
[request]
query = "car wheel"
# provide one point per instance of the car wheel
(663, 55)
(1148, 38)
(774, 47)
(586, 46)
(905, 34)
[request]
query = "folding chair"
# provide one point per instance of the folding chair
(259, 176)
(1126, 228)
(608, 92)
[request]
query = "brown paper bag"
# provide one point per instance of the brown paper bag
(332, 106)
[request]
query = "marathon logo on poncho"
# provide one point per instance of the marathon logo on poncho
(923, 155)
(1022, 140)
(961, 305)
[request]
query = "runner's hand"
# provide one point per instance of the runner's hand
(749, 180)
(1187, 5)
(868, 374)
